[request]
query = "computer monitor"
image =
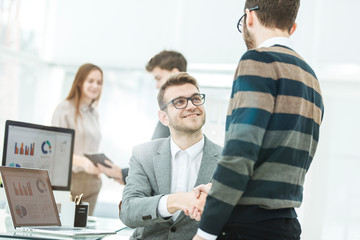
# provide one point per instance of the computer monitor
(37, 146)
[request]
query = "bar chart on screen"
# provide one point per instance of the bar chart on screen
(22, 149)
(23, 189)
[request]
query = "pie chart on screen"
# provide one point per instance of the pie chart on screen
(40, 185)
(46, 147)
(20, 211)
(14, 165)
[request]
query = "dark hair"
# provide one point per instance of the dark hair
(167, 60)
(279, 14)
(176, 79)
(75, 93)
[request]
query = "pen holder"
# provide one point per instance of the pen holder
(74, 215)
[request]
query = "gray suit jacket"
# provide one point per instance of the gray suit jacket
(161, 131)
(150, 178)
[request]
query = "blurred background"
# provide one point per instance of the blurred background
(43, 42)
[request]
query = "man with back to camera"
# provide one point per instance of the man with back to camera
(163, 172)
(162, 65)
(272, 131)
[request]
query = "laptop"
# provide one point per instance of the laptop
(32, 205)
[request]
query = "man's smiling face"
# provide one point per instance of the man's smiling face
(187, 120)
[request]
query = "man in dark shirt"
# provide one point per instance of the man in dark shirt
(162, 65)
(272, 131)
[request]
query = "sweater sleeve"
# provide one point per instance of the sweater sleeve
(250, 108)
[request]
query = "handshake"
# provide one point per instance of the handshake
(192, 203)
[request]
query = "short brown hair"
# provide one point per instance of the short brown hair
(176, 79)
(167, 60)
(279, 14)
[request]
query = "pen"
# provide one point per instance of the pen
(79, 199)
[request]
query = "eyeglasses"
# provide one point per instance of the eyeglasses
(182, 102)
(239, 25)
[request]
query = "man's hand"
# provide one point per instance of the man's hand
(197, 237)
(181, 201)
(203, 188)
(192, 203)
(200, 192)
(113, 172)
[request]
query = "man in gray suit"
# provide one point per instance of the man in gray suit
(161, 66)
(163, 172)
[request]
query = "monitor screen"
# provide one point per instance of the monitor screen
(35, 146)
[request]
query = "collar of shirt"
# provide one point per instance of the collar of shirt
(283, 41)
(193, 150)
(84, 107)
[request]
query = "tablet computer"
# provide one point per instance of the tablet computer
(96, 158)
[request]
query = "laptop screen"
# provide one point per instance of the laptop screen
(36, 146)
(30, 197)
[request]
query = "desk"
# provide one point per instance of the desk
(7, 230)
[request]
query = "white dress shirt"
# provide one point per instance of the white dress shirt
(184, 172)
(284, 41)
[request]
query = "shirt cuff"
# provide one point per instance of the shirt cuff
(206, 235)
(162, 207)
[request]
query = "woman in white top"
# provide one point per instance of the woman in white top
(78, 112)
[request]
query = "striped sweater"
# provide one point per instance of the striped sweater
(272, 131)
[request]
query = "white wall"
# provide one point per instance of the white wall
(128, 33)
